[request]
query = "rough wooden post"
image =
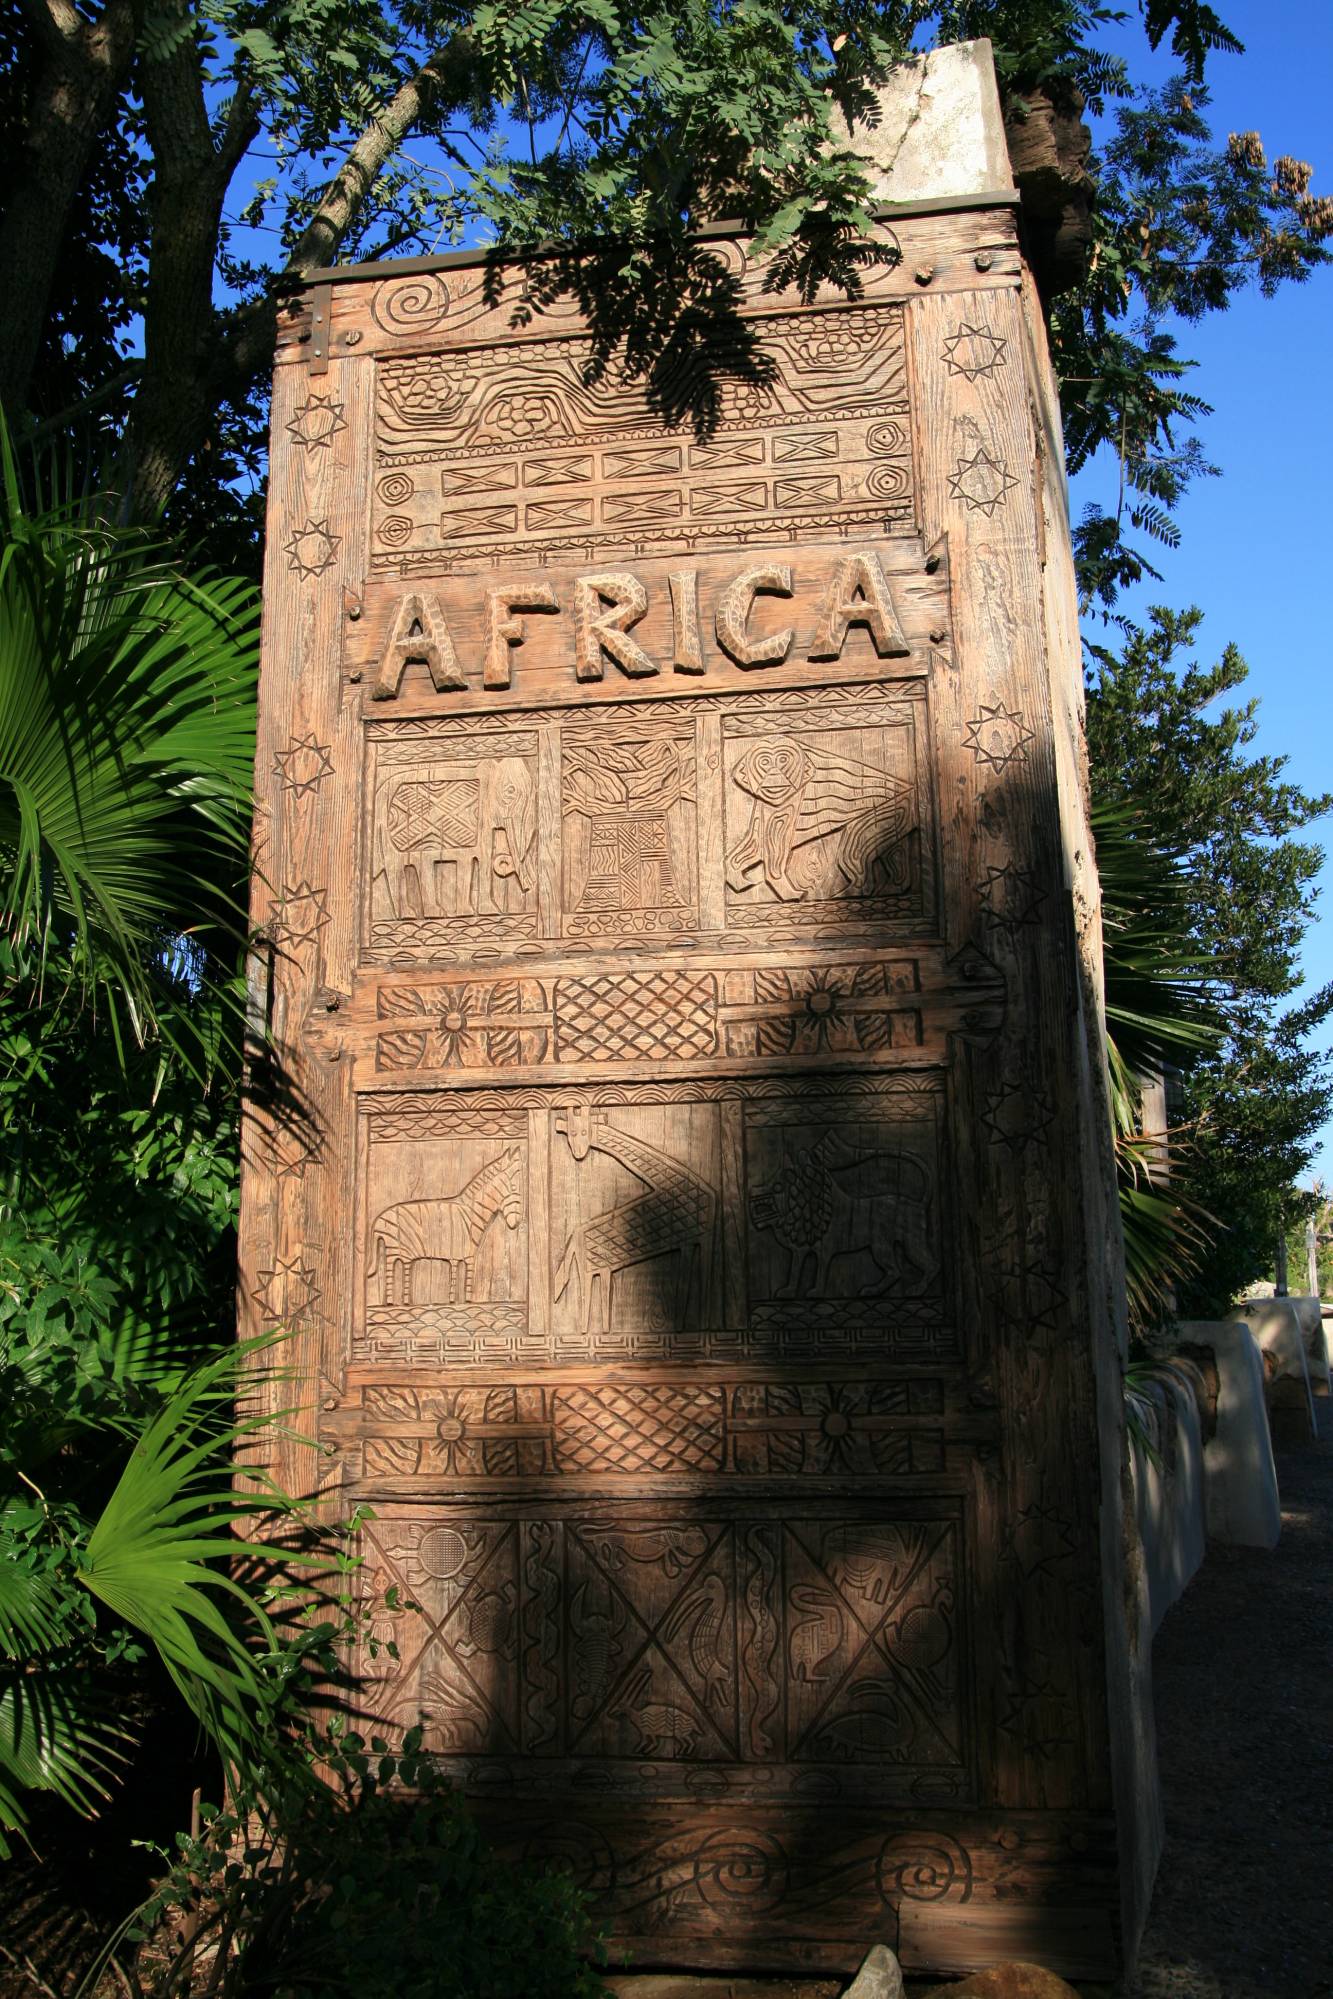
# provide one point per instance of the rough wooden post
(701, 1230)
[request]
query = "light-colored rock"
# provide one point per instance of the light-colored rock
(880, 1976)
(1008, 1981)
(716, 1985)
(1241, 1505)
(939, 130)
(1277, 1328)
(1167, 1465)
(1310, 1312)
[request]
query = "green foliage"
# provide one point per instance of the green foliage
(377, 1883)
(1250, 1106)
(119, 1512)
(614, 133)
(127, 701)
(1158, 1010)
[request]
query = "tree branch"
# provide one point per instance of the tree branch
(253, 329)
(57, 22)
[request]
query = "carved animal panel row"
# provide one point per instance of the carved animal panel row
(516, 451)
(440, 1437)
(895, 1009)
(641, 1648)
(721, 1220)
(744, 816)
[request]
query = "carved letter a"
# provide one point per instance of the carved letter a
(419, 633)
(858, 594)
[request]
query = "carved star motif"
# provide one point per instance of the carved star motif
(1011, 897)
(318, 422)
(981, 482)
(287, 1290)
(1042, 1540)
(303, 765)
(974, 351)
(312, 548)
(1016, 1116)
(301, 914)
(998, 736)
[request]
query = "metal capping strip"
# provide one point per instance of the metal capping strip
(453, 260)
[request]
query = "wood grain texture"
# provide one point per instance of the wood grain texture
(690, 1229)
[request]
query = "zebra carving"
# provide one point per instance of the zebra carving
(449, 1231)
(675, 1216)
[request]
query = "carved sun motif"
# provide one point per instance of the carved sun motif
(981, 482)
(301, 913)
(287, 1290)
(303, 765)
(312, 548)
(1016, 1116)
(318, 422)
(824, 1008)
(998, 736)
(974, 351)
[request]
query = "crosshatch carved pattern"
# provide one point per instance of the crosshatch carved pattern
(755, 1648)
(656, 1221)
(514, 451)
(398, 1432)
(895, 1009)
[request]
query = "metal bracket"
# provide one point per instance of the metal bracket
(321, 326)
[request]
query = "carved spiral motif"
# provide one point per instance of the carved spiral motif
(743, 1865)
(395, 488)
(926, 1867)
(410, 305)
(578, 1850)
(395, 530)
(886, 440)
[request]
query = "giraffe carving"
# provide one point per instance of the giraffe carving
(675, 1217)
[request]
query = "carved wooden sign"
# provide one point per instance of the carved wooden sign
(693, 1230)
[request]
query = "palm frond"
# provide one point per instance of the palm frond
(127, 704)
(161, 1552)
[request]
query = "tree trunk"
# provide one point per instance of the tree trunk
(177, 390)
(194, 357)
(83, 70)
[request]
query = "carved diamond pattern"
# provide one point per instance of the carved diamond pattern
(655, 1016)
(638, 1429)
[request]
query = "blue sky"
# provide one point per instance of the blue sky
(1255, 554)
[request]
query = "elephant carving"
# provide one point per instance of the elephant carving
(447, 841)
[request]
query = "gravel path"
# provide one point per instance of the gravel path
(1243, 1677)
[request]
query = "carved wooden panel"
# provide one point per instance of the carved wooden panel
(686, 1208)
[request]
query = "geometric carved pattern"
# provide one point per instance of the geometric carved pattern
(998, 736)
(981, 482)
(312, 548)
(678, 1634)
(521, 1429)
(455, 413)
(623, 1016)
(631, 1429)
(318, 422)
(973, 351)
